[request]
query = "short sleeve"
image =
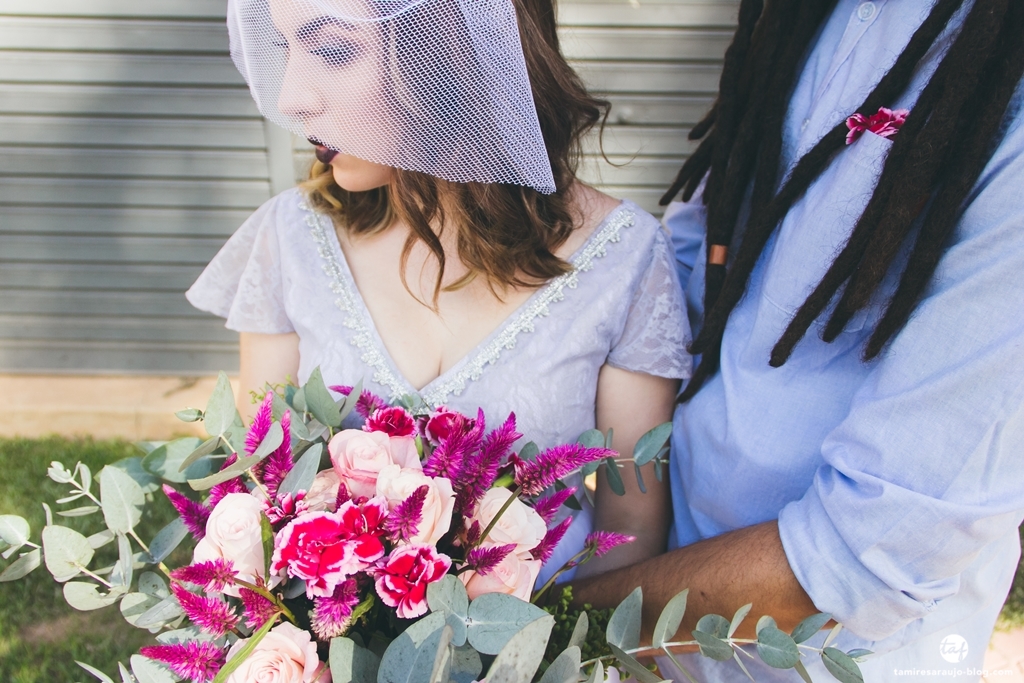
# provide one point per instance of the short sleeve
(656, 332)
(243, 283)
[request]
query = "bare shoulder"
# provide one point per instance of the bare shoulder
(591, 207)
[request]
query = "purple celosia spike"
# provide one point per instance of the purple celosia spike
(473, 533)
(601, 542)
(483, 560)
(448, 459)
(193, 514)
(195, 661)
(213, 615)
(368, 402)
(258, 610)
(481, 469)
(331, 615)
(549, 506)
(343, 495)
(403, 522)
(551, 539)
(548, 467)
(236, 485)
(279, 463)
(211, 576)
(260, 424)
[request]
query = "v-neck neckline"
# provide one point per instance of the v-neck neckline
(366, 337)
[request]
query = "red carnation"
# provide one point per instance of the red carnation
(402, 579)
(393, 421)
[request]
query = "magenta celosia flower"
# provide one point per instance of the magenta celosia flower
(236, 485)
(325, 548)
(402, 579)
(258, 610)
(368, 402)
(279, 463)
(332, 614)
(193, 660)
(884, 123)
(551, 539)
(211, 576)
(393, 421)
(553, 464)
(483, 560)
(261, 423)
(549, 506)
(601, 542)
(193, 514)
(449, 458)
(403, 522)
(285, 508)
(213, 615)
(481, 468)
(473, 533)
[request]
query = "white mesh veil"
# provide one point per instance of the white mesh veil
(436, 86)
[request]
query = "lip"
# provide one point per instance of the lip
(323, 154)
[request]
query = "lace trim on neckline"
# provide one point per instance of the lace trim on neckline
(472, 367)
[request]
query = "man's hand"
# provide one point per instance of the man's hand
(723, 574)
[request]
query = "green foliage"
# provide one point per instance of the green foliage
(566, 617)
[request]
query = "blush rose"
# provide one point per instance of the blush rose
(233, 533)
(519, 524)
(514, 575)
(285, 655)
(397, 484)
(358, 457)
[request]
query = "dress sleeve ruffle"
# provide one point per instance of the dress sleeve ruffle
(244, 283)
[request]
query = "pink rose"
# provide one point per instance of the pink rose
(443, 421)
(403, 578)
(519, 524)
(285, 655)
(359, 456)
(325, 548)
(233, 533)
(512, 576)
(323, 494)
(393, 421)
(397, 484)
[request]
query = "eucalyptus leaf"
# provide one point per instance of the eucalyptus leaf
(159, 614)
(85, 475)
(236, 469)
(466, 665)
(126, 676)
(84, 596)
(449, 596)
(630, 664)
(122, 498)
(738, 618)
(802, 670)
(297, 400)
(494, 618)
(65, 552)
(271, 442)
(624, 625)
(166, 461)
(592, 438)
(101, 538)
(764, 622)
(79, 512)
(267, 537)
(810, 626)
(220, 409)
(565, 668)
(597, 673)
(189, 415)
(715, 625)
(659, 472)
(580, 630)
(153, 584)
(522, 654)
(352, 663)
(100, 676)
(148, 671)
(651, 443)
(167, 539)
(668, 622)
(124, 567)
(776, 648)
(59, 473)
(302, 474)
(712, 646)
(832, 635)
(529, 451)
(72, 497)
(14, 530)
(410, 657)
(201, 451)
(639, 478)
(859, 654)
(22, 566)
(319, 400)
(611, 471)
(349, 403)
(134, 469)
(841, 665)
(442, 657)
(49, 514)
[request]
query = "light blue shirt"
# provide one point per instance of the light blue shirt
(899, 483)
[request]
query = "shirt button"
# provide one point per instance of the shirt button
(866, 10)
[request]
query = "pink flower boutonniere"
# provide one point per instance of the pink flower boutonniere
(885, 123)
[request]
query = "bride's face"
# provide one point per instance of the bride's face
(332, 85)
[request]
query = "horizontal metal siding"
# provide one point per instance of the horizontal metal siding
(130, 149)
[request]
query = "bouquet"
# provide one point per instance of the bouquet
(404, 551)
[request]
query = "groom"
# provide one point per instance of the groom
(852, 244)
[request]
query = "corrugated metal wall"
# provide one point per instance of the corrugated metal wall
(130, 150)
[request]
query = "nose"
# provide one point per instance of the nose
(299, 97)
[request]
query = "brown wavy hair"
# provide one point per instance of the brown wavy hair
(505, 233)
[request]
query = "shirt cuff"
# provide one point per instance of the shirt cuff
(835, 578)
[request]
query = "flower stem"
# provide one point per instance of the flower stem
(574, 561)
(94, 576)
(494, 520)
(145, 548)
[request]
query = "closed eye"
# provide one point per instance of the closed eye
(337, 54)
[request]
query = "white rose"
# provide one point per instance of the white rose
(519, 524)
(396, 484)
(285, 655)
(233, 533)
(323, 494)
(514, 575)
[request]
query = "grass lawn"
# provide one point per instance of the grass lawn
(40, 636)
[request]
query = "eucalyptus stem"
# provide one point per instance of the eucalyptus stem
(145, 548)
(494, 520)
(95, 576)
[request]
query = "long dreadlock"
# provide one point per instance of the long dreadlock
(931, 167)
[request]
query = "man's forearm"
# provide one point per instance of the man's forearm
(722, 573)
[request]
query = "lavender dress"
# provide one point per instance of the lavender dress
(284, 271)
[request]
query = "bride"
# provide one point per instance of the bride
(442, 245)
